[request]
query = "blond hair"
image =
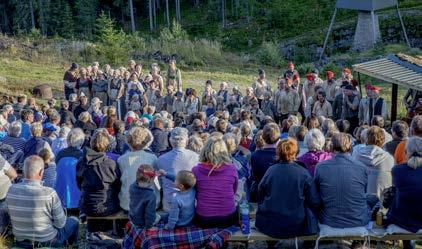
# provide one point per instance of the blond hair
(139, 138)
(215, 152)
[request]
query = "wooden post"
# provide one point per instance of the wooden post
(328, 33)
(402, 26)
(360, 86)
(394, 93)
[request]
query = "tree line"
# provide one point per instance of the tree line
(76, 18)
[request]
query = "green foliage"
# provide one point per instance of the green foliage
(86, 14)
(269, 54)
(174, 33)
(59, 22)
(113, 45)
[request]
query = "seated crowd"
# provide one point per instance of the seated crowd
(308, 154)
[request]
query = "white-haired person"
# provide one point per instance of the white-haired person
(66, 161)
(314, 141)
(216, 186)
(60, 143)
(139, 140)
(405, 210)
(172, 162)
(13, 136)
(36, 143)
(37, 216)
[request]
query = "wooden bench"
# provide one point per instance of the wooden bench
(258, 236)
(114, 218)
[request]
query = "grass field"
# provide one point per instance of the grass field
(23, 75)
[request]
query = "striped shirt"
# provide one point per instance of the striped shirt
(35, 211)
(16, 142)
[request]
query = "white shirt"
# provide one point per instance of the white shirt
(129, 164)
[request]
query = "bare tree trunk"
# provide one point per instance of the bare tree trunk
(42, 23)
(178, 10)
(223, 13)
(132, 16)
(154, 10)
(151, 24)
(167, 13)
(31, 9)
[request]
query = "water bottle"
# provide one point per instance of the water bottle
(244, 216)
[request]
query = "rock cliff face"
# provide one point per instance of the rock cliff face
(342, 36)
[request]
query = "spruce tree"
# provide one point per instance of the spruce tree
(86, 14)
(113, 45)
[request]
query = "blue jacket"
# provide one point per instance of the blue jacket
(65, 185)
(142, 206)
(406, 209)
(182, 209)
(341, 183)
(285, 196)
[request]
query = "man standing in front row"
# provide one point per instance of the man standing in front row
(36, 212)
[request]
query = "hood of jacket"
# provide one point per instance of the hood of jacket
(373, 156)
(94, 158)
(312, 158)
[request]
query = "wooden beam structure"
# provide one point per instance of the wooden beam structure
(394, 71)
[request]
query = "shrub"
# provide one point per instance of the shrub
(113, 46)
(269, 54)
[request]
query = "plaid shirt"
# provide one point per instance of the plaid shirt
(180, 238)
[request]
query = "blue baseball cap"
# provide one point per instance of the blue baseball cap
(49, 127)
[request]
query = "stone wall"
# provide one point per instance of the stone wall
(341, 39)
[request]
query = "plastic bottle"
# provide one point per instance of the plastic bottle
(244, 216)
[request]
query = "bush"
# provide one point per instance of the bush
(113, 44)
(269, 54)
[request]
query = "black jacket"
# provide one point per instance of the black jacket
(161, 141)
(98, 179)
(67, 117)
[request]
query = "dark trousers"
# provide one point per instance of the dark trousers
(67, 92)
(217, 221)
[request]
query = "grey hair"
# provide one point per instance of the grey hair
(195, 144)
(64, 131)
(32, 166)
(179, 137)
(15, 129)
(364, 136)
(36, 129)
(76, 138)
(414, 151)
(314, 140)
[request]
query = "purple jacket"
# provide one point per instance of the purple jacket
(215, 193)
(312, 158)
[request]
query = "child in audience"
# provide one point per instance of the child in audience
(142, 205)
(178, 104)
(245, 131)
(182, 209)
(50, 174)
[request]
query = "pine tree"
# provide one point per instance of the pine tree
(21, 16)
(59, 22)
(113, 42)
(86, 14)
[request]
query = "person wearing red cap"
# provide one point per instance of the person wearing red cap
(290, 72)
(312, 80)
(330, 86)
(372, 105)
